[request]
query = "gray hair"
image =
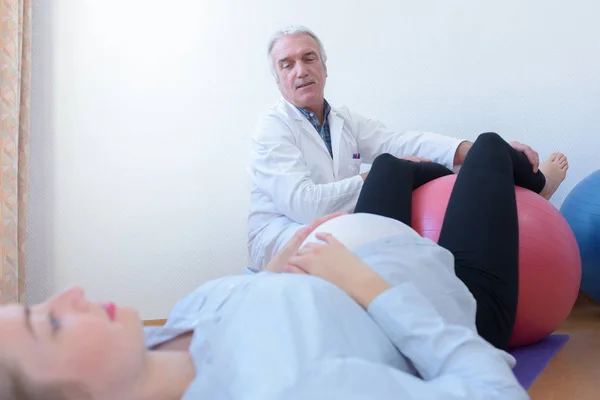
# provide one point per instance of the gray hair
(290, 31)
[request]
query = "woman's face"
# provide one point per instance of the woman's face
(69, 339)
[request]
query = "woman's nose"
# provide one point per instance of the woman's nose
(73, 297)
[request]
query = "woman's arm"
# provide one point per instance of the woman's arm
(454, 362)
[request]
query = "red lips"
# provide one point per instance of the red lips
(111, 310)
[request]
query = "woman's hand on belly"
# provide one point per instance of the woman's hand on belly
(338, 265)
(279, 262)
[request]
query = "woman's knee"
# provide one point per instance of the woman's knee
(385, 159)
(387, 163)
(490, 138)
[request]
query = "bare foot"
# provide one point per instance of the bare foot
(555, 170)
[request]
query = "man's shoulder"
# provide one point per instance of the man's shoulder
(282, 108)
(344, 112)
(278, 118)
(283, 117)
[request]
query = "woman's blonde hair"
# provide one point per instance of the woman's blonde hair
(14, 385)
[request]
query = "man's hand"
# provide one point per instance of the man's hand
(461, 152)
(279, 262)
(531, 154)
(338, 265)
(415, 159)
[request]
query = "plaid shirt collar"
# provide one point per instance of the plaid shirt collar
(312, 117)
(322, 130)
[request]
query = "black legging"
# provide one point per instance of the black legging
(480, 227)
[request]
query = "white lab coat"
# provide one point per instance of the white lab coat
(295, 180)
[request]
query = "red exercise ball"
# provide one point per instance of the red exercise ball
(549, 260)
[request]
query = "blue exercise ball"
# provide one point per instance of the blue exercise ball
(581, 209)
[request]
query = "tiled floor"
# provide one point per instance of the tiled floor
(574, 373)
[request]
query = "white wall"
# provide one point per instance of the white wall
(142, 111)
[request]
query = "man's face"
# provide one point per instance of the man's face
(300, 70)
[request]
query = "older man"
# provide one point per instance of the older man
(306, 154)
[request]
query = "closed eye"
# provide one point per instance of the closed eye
(54, 322)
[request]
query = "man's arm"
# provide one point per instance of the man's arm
(454, 363)
(374, 138)
(279, 169)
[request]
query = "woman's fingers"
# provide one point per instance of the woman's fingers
(310, 248)
(327, 238)
(303, 251)
(299, 261)
(302, 233)
(292, 269)
(296, 240)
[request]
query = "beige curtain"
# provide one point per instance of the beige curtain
(15, 72)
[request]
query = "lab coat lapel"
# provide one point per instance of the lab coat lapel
(310, 130)
(335, 129)
(319, 142)
(314, 135)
